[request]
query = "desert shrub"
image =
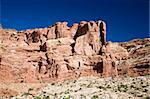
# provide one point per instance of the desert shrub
(25, 94)
(66, 97)
(46, 97)
(101, 87)
(82, 96)
(147, 97)
(122, 88)
(94, 97)
(37, 97)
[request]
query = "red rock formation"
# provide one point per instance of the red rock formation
(51, 33)
(87, 39)
(109, 61)
(62, 30)
(60, 52)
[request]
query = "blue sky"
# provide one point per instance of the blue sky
(126, 19)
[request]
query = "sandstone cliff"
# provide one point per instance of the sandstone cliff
(59, 52)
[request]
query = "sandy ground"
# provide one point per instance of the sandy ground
(81, 88)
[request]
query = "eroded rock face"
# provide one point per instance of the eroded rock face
(87, 39)
(61, 52)
(139, 56)
(51, 33)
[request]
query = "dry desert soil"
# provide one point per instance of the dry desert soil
(81, 88)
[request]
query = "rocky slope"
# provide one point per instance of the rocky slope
(59, 52)
(93, 88)
(33, 60)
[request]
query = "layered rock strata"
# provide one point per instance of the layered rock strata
(60, 52)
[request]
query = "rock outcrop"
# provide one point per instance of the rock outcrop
(87, 39)
(60, 52)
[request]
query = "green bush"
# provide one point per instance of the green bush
(95, 97)
(37, 97)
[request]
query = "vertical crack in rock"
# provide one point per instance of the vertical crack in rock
(103, 33)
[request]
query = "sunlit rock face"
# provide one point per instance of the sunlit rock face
(60, 52)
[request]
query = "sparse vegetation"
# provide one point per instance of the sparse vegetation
(95, 88)
(95, 97)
